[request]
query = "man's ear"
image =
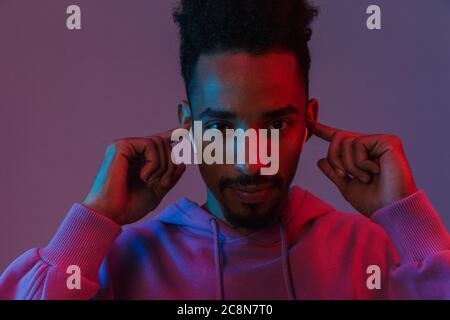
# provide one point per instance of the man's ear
(184, 113)
(312, 112)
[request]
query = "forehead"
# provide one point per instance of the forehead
(239, 82)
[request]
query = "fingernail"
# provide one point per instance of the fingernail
(364, 179)
(340, 173)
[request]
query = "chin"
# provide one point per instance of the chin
(251, 215)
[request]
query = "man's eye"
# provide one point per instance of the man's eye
(277, 124)
(218, 125)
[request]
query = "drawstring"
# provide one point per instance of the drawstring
(217, 261)
(284, 257)
(285, 262)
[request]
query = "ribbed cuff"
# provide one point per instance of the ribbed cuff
(83, 239)
(414, 227)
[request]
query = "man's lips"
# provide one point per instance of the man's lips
(255, 193)
(252, 188)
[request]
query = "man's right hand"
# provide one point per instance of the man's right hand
(135, 175)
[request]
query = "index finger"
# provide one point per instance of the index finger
(167, 135)
(322, 131)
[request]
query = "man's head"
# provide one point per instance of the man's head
(245, 64)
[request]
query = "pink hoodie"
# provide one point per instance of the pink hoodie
(185, 253)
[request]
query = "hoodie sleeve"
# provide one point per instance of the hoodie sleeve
(83, 240)
(423, 246)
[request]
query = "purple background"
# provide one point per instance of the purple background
(64, 95)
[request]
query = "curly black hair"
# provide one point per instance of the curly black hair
(253, 26)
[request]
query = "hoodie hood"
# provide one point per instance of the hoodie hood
(187, 214)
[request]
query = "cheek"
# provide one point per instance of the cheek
(206, 173)
(290, 148)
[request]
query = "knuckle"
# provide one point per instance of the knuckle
(396, 141)
(350, 166)
(337, 135)
(357, 142)
(361, 163)
(157, 139)
(331, 160)
(150, 145)
(348, 142)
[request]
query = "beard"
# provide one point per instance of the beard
(255, 217)
(239, 212)
(258, 215)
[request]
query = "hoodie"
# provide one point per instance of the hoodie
(314, 252)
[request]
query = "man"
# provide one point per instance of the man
(245, 64)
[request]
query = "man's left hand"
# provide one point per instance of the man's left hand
(371, 171)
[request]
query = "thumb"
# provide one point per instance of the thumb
(328, 171)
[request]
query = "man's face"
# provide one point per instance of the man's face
(240, 90)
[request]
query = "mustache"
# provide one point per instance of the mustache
(245, 180)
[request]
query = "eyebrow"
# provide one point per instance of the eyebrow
(217, 114)
(289, 109)
(281, 112)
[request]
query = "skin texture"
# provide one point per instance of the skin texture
(136, 173)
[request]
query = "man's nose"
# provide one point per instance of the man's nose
(249, 169)
(252, 164)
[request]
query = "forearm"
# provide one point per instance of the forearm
(83, 240)
(423, 246)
